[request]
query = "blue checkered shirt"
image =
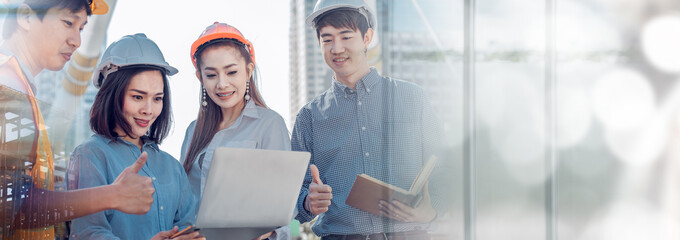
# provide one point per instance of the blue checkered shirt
(385, 128)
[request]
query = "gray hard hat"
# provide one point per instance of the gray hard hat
(324, 6)
(128, 51)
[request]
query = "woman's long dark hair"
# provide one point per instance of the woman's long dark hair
(210, 117)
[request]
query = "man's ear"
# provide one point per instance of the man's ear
(368, 37)
(24, 13)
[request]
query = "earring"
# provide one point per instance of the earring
(247, 97)
(204, 103)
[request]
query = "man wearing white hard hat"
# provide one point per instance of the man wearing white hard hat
(364, 124)
(42, 34)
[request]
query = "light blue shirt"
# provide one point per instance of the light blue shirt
(256, 127)
(99, 161)
(384, 128)
(13, 83)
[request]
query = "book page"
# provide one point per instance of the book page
(423, 175)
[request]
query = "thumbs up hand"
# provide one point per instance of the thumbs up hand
(134, 193)
(319, 196)
(315, 174)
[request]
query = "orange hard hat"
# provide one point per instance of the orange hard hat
(218, 31)
(98, 7)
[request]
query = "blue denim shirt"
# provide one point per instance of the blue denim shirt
(99, 161)
(384, 128)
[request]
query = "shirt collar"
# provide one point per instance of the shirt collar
(145, 139)
(24, 68)
(365, 84)
(251, 110)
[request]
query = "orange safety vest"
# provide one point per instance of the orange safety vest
(42, 170)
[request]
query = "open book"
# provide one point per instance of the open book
(368, 191)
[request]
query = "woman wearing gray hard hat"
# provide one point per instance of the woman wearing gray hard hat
(130, 116)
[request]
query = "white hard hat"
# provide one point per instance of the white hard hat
(128, 51)
(324, 6)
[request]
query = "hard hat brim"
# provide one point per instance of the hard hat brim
(314, 15)
(166, 69)
(207, 38)
(310, 19)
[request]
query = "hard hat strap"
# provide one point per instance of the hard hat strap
(111, 68)
(361, 10)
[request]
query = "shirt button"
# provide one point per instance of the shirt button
(363, 128)
(359, 103)
(153, 178)
(367, 154)
(161, 208)
(368, 90)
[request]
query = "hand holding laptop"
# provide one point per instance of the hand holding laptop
(319, 196)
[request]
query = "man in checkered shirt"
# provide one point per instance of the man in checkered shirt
(365, 123)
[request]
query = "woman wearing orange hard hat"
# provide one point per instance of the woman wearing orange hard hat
(232, 112)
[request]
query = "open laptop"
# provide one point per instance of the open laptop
(249, 192)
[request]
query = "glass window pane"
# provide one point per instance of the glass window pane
(510, 119)
(422, 42)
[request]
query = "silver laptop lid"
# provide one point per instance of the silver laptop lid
(251, 188)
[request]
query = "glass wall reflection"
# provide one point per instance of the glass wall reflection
(510, 119)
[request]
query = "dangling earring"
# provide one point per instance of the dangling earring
(247, 97)
(204, 103)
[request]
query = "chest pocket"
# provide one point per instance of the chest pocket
(167, 190)
(332, 136)
(229, 144)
